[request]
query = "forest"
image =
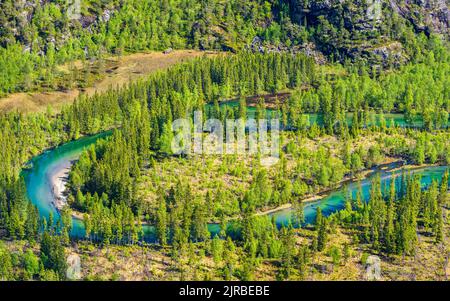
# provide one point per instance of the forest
(131, 179)
(37, 37)
(388, 223)
(104, 182)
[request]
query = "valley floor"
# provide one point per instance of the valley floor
(142, 263)
(154, 263)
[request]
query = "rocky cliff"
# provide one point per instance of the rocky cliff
(373, 29)
(378, 31)
(425, 15)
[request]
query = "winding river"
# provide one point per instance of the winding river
(45, 167)
(335, 200)
(373, 118)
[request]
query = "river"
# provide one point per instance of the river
(373, 118)
(38, 180)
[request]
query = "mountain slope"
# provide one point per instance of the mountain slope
(35, 36)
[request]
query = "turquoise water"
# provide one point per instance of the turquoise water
(39, 189)
(38, 178)
(317, 118)
(335, 201)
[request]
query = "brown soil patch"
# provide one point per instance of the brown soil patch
(119, 71)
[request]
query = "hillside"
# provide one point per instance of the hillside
(379, 30)
(96, 77)
(37, 36)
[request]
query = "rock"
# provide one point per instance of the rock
(107, 15)
(27, 48)
(74, 10)
(425, 15)
(87, 21)
(374, 10)
(357, 29)
(256, 45)
(74, 267)
(385, 55)
(309, 49)
(390, 51)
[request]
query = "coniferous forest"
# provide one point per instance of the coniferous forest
(362, 100)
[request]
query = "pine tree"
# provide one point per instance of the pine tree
(299, 213)
(216, 249)
(230, 258)
(165, 141)
(66, 219)
(6, 265)
(302, 261)
(242, 108)
(389, 229)
(319, 217)
(87, 225)
(430, 206)
(321, 226)
(161, 222)
(322, 235)
(53, 254)
(199, 224)
(287, 257)
(443, 195)
(439, 226)
(377, 213)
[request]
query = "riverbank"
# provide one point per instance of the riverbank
(58, 181)
(363, 175)
(48, 177)
(388, 165)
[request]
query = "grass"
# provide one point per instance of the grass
(153, 263)
(113, 72)
(229, 176)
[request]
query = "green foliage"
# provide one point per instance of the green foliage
(103, 183)
(335, 254)
(390, 221)
(53, 254)
(31, 264)
(6, 266)
(35, 39)
(321, 225)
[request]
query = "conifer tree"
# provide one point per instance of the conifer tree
(161, 221)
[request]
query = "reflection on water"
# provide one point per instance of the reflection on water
(316, 118)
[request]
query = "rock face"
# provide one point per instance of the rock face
(384, 55)
(309, 49)
(427, 15)
(323, 29)
(364, 28)
(16, 15)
